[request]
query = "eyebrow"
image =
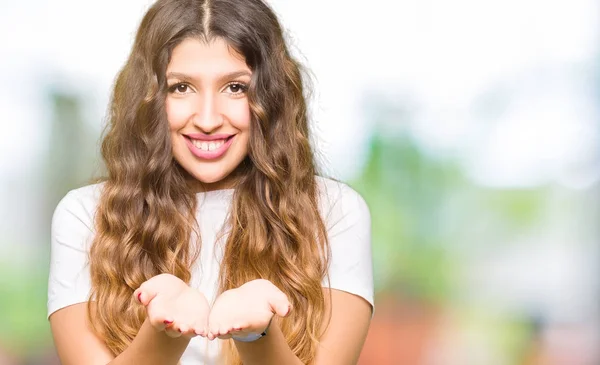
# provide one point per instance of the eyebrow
(228, 76)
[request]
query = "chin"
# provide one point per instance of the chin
(209, 178)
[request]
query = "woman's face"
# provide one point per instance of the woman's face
(207, 109)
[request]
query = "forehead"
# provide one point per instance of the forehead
(198, 57)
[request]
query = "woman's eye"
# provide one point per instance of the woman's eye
(236, 88)
(179, 89)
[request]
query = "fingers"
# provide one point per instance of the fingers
(214, 331)
(231, 327)
(200, 328)
(221, 331)
(200, 331)
(175, 330)
(173, 307)
(188, 323)
(248, 309)
(161, 322)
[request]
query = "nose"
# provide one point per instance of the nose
(207, 116)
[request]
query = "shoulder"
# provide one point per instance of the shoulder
(340, 204)
(348, 221)
(86, 195)
(72, 233)
(77, 206)
(336, 192)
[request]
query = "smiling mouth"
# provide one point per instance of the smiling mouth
(209, 149)
(209, 145)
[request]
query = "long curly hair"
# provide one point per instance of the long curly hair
(146, 214)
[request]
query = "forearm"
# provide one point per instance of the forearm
(271, 349)
(152, 348)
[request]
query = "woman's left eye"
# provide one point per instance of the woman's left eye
(236, 88)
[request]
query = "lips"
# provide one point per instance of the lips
(209, 147)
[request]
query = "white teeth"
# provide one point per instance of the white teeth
(208, 146)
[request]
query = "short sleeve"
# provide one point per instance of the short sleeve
(71, 233)
(348, 223)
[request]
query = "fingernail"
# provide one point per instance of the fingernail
(140, 297)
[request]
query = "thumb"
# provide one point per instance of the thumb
(144, 294)
(281, 305)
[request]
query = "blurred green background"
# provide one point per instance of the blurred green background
(470, 128)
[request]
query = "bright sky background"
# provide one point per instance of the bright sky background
(531, 61)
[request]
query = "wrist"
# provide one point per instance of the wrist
(270, 349)
(251, 337)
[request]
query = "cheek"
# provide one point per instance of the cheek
(178, 112)
(239, 115)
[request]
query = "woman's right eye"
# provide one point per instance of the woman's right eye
(179, 88)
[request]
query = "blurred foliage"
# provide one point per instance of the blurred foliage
(405, 190)
(24, 327)
(426, 213)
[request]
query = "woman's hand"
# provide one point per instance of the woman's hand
(247, 309)
(172, 306)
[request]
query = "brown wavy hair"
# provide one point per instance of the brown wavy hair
(146, 213)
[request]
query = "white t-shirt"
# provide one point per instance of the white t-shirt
(345, 213)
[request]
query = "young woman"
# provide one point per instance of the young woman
(212, 240)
